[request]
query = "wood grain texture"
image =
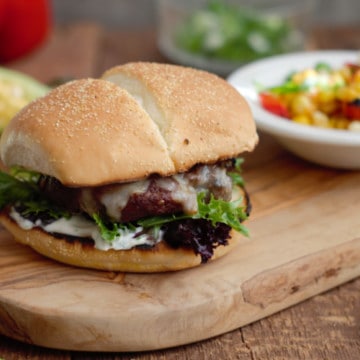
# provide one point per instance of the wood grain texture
(299, 247)
(71, 52)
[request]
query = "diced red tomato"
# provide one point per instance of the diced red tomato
(351, 110)
(272, 103)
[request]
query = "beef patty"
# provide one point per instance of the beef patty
(151, 197)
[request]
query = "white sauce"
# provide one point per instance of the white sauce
(81, 227)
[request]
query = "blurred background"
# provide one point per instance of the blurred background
(53, 41)
(216, 39)
(142, 13)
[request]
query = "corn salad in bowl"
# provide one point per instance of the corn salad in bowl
(321, 95)
(307, 102)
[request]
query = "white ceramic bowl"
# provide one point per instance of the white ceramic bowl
(328, 147)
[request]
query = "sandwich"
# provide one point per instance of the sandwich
(136, 171)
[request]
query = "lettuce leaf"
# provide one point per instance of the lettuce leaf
(219, 211)
(16, 188)
(108, 233)
(235, 175)
(20, 188)
(215, 210)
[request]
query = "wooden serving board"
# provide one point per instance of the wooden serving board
(305, 239)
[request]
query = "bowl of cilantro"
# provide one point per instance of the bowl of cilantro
(219, 35)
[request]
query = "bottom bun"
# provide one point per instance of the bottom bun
(159, 258)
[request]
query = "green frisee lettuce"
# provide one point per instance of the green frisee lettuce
(20, 188)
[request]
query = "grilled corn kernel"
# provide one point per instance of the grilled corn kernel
(346, 73)
(301, 104)
(356, 87)
(326, 101)
(339, 123)
(326, 95)
(302, 119)
(354, 126)
(301, 76)
(347, 94)
(320, 119)
(356, 77)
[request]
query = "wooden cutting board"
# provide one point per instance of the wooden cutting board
(305, 239)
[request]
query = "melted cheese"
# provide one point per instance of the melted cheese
(80, 227)
(183, 189)
(116, 199)
(181, 192)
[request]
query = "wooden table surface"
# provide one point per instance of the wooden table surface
(326, 326)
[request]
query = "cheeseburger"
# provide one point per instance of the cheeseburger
(137, 171)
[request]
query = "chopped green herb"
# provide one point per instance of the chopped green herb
(322, 66)
(231, 32)
(289, 87)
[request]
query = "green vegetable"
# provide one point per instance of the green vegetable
(236, 177)
(321, 79)
(229, 213)
(233, 33)
(323, 67)
(288, 87)
(108, 233)
(20, 187)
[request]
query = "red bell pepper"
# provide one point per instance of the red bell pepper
(272, 103)
(351, 110)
